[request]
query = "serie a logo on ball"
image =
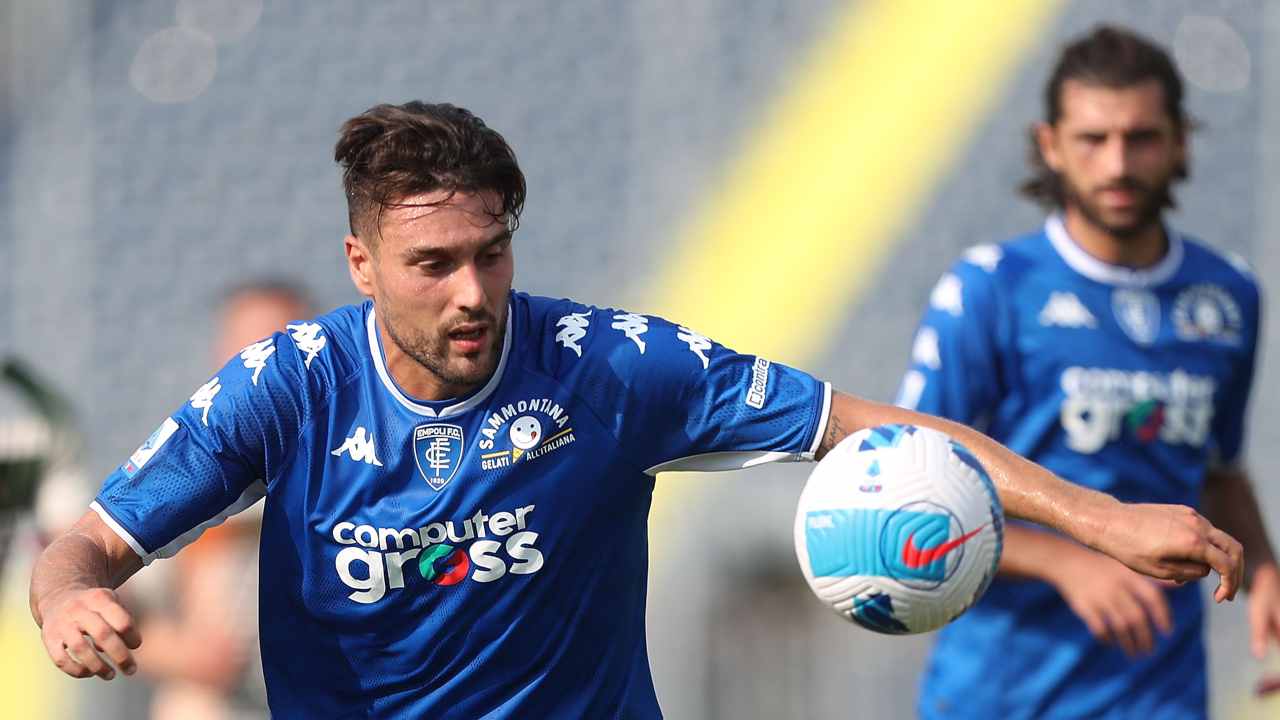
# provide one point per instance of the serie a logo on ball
(899, 529)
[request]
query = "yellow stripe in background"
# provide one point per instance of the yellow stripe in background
(806, 218)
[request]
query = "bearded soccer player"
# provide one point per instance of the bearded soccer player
(458, 476)
(1118, 353)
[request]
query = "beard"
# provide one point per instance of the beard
(433, 353)
(1151, 201)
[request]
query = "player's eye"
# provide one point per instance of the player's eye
(434, 267)
(1143, 137)
(1093, 139)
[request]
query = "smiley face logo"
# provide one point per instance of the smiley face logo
(526, 433)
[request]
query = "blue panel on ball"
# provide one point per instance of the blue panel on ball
(886, 436)
(875, 612)
(876, 543)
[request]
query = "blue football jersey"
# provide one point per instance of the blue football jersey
(1131, 382)
(481, 557)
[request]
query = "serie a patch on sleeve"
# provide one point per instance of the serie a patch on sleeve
(149, 448)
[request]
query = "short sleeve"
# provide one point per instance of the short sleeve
(214, 456)
(1233, 402)
(677, 400)
(953, 370)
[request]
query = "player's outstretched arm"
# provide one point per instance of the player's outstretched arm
(1170, 542)
(73, 600)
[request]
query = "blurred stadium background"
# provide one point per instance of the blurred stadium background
(787, 176)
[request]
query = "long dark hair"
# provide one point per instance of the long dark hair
(392, 152)
(1111, 57)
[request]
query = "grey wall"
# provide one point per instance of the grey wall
(123, 219)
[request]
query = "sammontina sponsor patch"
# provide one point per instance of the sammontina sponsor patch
(523, 431)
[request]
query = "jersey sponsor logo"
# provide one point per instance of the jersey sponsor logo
(523, 431)
(759, 387)
(1105, 405)
(948, 295)
(573, 327)
(203, 397)
(924, 350)
(633, 326)
(698, 344)
(985, 256)
(359, 447)
(255, 356)
(438, 449)
(1138, 314)
(149, 448)
(309, 337)
(1207, 313)
(1064, 309)
(483, 547)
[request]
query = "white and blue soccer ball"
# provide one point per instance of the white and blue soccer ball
(899, 529)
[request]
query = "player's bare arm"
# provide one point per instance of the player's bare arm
(1118, 605)
(1229, 502)
(73, 600)
(1170, 542)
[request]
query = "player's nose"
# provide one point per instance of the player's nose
(469, 290)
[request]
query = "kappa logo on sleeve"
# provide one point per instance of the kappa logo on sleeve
(948, 295)
(309, 337)
(149, 448)
(698, 344)
(255, 356)
(203, 397)
(633, 326)
(573, 328)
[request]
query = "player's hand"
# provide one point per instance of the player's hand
(82, 626)
(1172, 542)
(1118, 605)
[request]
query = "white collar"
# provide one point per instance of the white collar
(1095, 269)
(375, 350)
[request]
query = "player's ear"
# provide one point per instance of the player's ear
(359, 264)
(1046, 140)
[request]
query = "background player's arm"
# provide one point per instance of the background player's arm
(1229, 502)
(1118, 605)
(73, 600)
(1170, 542)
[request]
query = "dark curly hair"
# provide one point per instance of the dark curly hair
(392, 152)
(1111, 57)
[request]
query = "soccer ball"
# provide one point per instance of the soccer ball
(899, 529)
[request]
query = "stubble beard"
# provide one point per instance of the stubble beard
(1152, 201)
(433, 353)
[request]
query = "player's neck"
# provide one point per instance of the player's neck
(1139, 250)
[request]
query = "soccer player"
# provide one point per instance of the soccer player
(458, 476)
(1118, 353)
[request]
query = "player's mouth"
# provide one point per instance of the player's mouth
(469, 338)
(1123, 196)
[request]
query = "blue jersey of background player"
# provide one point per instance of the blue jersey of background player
(458, 477)
(1119, 353)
